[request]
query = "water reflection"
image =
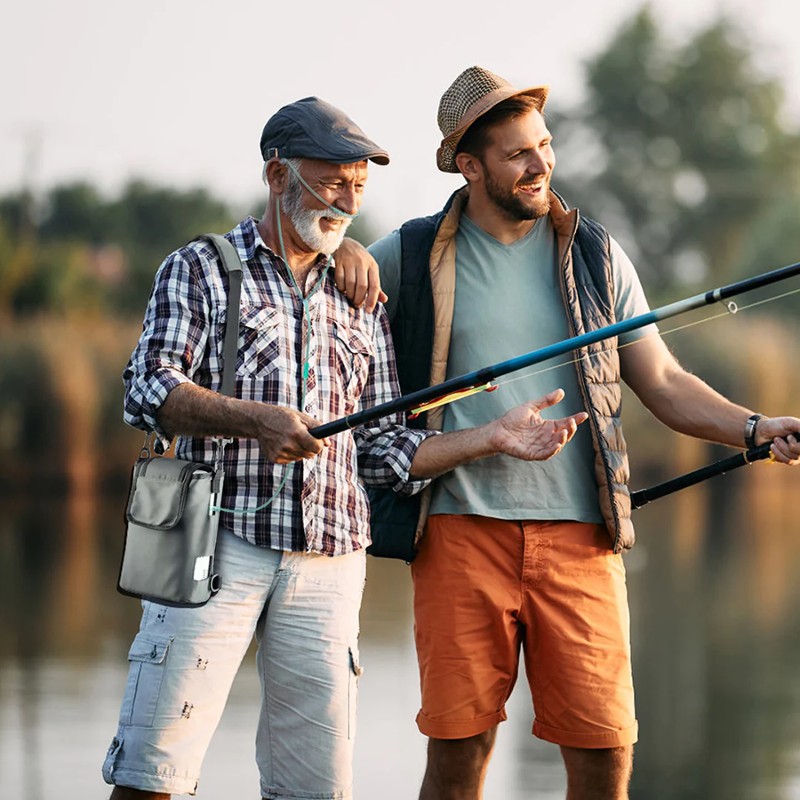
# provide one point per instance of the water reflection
(716, 647)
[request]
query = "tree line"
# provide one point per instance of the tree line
(683, 149)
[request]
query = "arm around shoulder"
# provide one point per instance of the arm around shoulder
(356, 275)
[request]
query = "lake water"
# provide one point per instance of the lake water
(716, 639)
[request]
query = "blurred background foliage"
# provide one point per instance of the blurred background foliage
(681, 149)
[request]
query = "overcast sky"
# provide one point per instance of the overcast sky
(177, 91)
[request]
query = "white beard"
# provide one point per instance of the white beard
(306, 222)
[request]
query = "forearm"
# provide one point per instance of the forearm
(439, 454)
(689, 406)
(282, 433)
(191, 410)
(679, 399)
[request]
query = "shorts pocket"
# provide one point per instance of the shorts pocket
(355, 671)
(147, 658)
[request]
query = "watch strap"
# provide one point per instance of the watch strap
(750, 430)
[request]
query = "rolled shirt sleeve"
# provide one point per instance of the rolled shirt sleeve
(173, 339)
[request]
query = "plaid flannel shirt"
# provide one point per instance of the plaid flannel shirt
(323, 505)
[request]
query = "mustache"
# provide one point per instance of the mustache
(323, 213)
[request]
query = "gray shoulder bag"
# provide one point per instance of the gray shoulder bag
(171, 517)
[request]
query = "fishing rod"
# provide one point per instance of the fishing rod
(480, 380)
(643, 496)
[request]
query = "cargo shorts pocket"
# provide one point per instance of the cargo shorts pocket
(147, 658)
(355, 671)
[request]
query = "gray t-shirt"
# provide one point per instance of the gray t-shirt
(508, 302)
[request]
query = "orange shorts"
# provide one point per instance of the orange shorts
(484, 587)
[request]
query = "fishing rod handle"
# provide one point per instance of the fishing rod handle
(644, 496)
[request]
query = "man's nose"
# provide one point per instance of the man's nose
(538, 164)
(348, 200)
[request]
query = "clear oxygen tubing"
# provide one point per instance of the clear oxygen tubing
(306, 318)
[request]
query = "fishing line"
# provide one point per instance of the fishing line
(437, 394)
(727, 313)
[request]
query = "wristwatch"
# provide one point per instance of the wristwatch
(750, 430)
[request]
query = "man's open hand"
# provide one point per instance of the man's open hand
(523, 433)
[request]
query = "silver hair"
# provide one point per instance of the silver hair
(292, 162)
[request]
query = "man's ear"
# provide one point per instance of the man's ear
(276, 175)
(469, 166)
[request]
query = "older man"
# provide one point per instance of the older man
(294, 525)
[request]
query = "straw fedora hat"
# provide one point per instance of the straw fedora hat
(471, 95)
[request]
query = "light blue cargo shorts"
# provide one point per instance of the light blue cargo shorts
(303, 609)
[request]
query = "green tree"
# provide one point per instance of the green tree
(682, 150)
(77, 251)
(17, 249)
(149, 222)
(75, 212)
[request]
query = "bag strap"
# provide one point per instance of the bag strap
(229, 257)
